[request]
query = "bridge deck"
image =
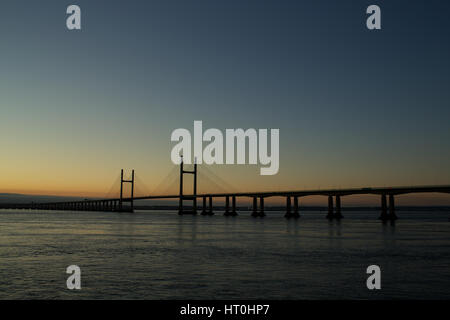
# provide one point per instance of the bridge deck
(289, 193)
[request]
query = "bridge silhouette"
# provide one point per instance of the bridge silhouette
(387, 197)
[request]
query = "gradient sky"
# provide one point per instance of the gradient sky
(355, 108)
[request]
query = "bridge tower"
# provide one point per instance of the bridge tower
(122, 200)
(183, 197)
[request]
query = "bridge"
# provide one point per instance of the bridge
(387, 198)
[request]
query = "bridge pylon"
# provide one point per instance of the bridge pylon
(181, 209)
(122, 200)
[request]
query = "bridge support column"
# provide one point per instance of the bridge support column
(255, 207)
(288, 207)
(384, 215)
(233, 206)
(227, 206)
(296, 213)
(330, 207)
(233, 212)
(338, 214)
(210, 212)
(204, 212)
(261, 207)
(289, 212)
(392, 215)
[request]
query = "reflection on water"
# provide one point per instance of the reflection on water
(160, 255)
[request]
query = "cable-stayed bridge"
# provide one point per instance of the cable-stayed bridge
(123, 203)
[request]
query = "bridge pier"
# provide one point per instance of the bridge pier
(204, 212)
(233, 206)
(255, 212)
(207, 211)
(330, 207)
(231, 213)
(261, 207)
(289, 213)
(296, 211)
(210, 212)
(255, 207)
(392, 215)
(288, 207)
(227, 206)
(384, 215)
(338, 214)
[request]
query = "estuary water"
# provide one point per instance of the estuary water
(160, 255)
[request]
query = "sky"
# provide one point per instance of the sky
(355, 107)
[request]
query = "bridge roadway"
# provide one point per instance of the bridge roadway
(292, 201)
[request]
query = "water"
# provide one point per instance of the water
(160, 255)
